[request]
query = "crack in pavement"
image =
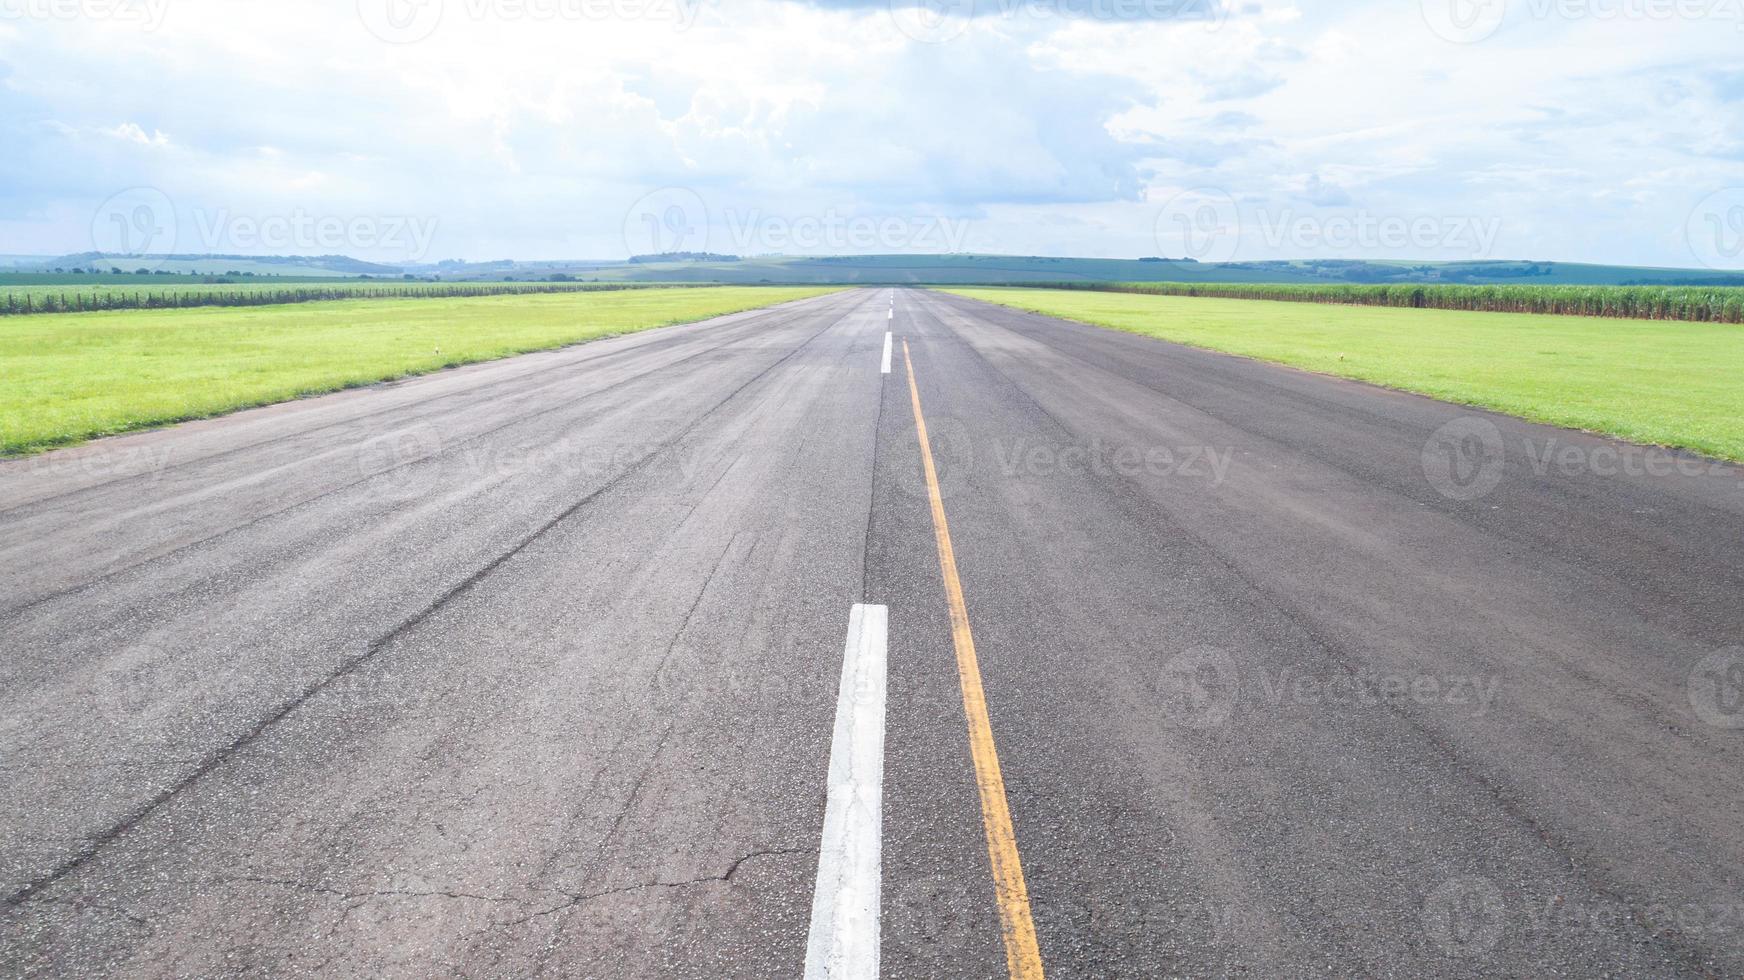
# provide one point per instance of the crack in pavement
(568, 900)
(96, 843)
(575, 901)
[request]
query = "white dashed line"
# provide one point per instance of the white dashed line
(845, 908)
(886, 368)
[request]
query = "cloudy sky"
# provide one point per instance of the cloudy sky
(1579, 130)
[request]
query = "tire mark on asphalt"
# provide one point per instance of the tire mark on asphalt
(872, 488)
(1341, 414)
(95, 844)
(701, 592)
(444, 452)
(415, 409)
(653, 346)
(1576, 566)
(1335, 653)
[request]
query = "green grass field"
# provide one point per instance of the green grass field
(69, 377)
(20, 299)
(1657, 382)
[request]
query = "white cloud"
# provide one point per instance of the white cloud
(530, 130)
(133, 133)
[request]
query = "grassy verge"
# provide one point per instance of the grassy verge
(1658, 382)
(69, 377)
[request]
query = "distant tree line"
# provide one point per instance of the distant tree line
(75, 301)
(683, 257)
(1705, 304)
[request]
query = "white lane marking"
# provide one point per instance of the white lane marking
(886, 367)
(845, 908)
(892, 315)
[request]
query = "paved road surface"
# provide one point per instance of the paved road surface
(532, 667)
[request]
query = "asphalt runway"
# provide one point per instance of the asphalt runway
(534, 668)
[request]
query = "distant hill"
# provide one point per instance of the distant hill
(956, 269)
(212, 265)
(682, 257)
(994, 269)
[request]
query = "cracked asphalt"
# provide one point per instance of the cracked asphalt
(529, 668)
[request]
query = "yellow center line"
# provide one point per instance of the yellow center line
(1022, 958)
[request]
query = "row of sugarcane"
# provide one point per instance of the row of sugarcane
(1708, 304)
(73, 301)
